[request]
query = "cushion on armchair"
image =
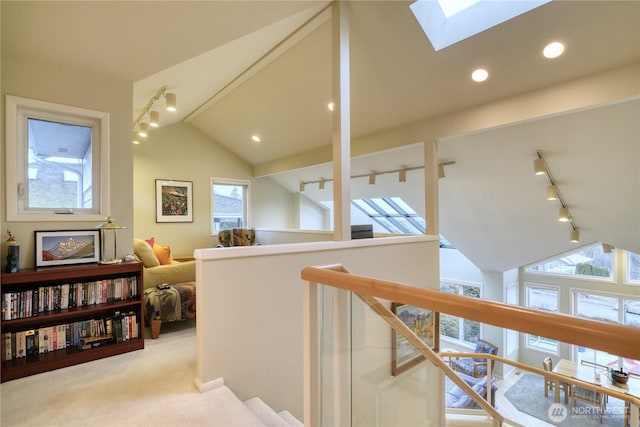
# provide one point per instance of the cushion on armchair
(165, 270)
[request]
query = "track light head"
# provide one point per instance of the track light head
(402, 175)
(607, 248)
(154, 119)
(302, 187)
(539, 167)
(372, 179)
(321, 185)
(564, 215)
(552, 192)
(170, 101)
(135, 139)
(574, 236)
(143, 129)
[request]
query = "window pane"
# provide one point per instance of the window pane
(542, 298)
(590, 261)
(632, 313)
(596, 307)
(229, 206)
(58, 156)
(449, 326)
(634, 267)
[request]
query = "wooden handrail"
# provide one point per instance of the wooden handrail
(615, 339)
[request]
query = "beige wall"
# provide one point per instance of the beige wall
(180, 152)
(53, 83)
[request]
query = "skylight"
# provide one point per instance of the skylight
(446, 22)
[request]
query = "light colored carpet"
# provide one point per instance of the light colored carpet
(150, 387)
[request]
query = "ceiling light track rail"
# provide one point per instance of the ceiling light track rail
(540, 167)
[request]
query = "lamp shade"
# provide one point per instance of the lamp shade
(110, 224)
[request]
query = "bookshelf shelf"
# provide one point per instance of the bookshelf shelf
(100, 313)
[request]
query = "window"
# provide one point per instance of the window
(230, 204)
(542, 298)
(588, 262)
(457, 328)
(612, 309)
(633, 267)
(57, 162)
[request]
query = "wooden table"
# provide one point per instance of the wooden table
(599, 376)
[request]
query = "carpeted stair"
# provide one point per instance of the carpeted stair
(254, 412)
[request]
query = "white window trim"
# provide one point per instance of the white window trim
(528, 285)
(458, 341)
(624, 261)
(247, 201)
(15, 160)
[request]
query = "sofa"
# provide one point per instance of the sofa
(459, 399)
(159, 267)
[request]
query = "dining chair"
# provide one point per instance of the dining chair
(550, 383)
(588, 396)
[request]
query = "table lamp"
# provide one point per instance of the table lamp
(109, 225)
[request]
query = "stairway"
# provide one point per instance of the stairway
(228, 410)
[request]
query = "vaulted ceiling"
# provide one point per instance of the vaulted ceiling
(264, 67)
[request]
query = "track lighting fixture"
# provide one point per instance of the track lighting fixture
(170, 101)
(302, 187)
(402, 175)
(441, 166)
(574, 236)
(135, 138)
(154, 115)
(372, 179)
(142, 129)
(538, 166)
(154, 119)
(321, 185)
(553, 193)
(607, 248)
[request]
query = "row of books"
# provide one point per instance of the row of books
(81, 335)
(31, 302)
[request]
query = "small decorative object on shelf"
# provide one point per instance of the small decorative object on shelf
(111, 225)
(13, 254)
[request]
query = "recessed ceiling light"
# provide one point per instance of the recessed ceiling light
(553, 50)
(255, 138)
(479, 75)
(330, 106)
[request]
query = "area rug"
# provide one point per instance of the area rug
(527, 395)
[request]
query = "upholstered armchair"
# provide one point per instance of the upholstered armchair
(237, 237)
(476, 366)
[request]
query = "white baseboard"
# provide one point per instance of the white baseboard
(208, 386)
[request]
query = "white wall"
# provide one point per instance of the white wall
(249, 306)
(78, 88)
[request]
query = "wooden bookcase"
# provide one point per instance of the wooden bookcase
(103, 310)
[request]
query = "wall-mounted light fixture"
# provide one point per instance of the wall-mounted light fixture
(553, 193)
(154, 115)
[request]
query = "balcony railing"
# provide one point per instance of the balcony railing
(614, 339)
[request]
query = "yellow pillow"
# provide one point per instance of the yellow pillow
(145, 253)
(163, 253)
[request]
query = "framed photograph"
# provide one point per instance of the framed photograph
(425, 324)
(67, 247)
(174, 201)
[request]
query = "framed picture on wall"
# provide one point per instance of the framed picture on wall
(174, 201)
(425, 324)
(67, 247)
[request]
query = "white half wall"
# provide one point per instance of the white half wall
(250, 312)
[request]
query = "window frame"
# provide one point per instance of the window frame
(18, 111)
(246, 205)
(611, 280)
(461, 320)
(527, 338)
